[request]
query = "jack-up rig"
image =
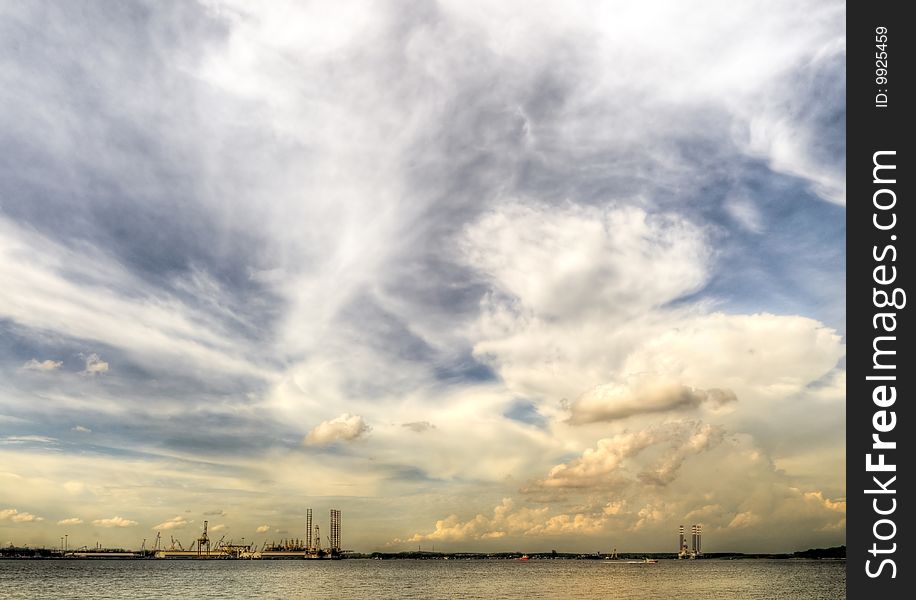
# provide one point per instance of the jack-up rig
(696, 538)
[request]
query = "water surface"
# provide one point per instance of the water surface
(484, 579)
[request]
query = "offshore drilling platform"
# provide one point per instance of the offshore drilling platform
(696, 539)
(309, 548)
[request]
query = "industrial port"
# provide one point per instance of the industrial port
(310, 547)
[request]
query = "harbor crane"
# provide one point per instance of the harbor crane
(203, 541)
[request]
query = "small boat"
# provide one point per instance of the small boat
(524, 557)
(644, 561)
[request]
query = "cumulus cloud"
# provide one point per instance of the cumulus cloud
(608, 464)
(11, 514)
(575, 288)
(510, 520)
(344, 428)
(641, 395)
(173, 523)
(749, 493)
(70, 521)
(80, 429)
(774, 355)
(94, 364)
(263, 528)
(218, 527)
(114, 522)
(44, 365)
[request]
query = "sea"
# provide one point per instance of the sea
(710, 579)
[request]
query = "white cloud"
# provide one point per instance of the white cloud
(28, 439)
(114, 522)
(263, 528)
(95, 365)
(577, 288)
(80, 429)
(173, 523)
(70, 521)
(11, 514)
(745, 213)
(45, 365)
(773, 355)
(607, 465)
(344, 428)
(126, 311)
(569, 262)
(219, 527)
(640, 395)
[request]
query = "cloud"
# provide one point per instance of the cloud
(173, 523)
(464, 226)
(263, 528)
(215, 513)
(641, 395)
(572, 261)
(11, 514)
(773, 355)
(45, 365)
(418, 426)
(510, 520)
(28, 439)
(506, 517)
(344, 428)
(219, 527)
(70, 521)
(744, 519)
(575, 288)
(114, 522)
(80, 429)
(609, 464)
(746, 214)
(95, 365)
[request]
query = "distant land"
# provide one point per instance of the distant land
(814, 553)
(836, 552)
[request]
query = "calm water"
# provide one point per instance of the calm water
(708, 579)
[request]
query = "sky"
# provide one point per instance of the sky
(483, 276)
